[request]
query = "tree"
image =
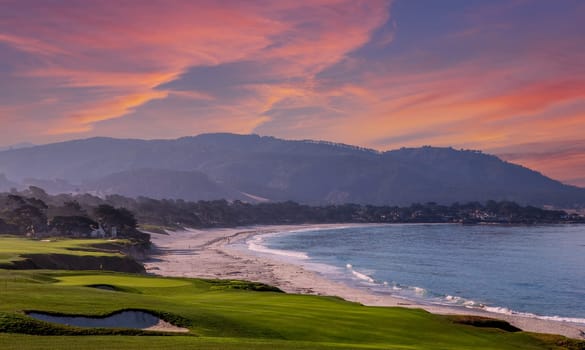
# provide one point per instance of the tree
(28, 219)
(27, 215)
(120, 218)
(36, 192)
(7, 228)
(76, 226)
(69, 208)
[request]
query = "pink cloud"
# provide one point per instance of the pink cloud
(107, 68)
(126, 49)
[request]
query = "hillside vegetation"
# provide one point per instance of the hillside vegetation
(36, 214)
(254, 168)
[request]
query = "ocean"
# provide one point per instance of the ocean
(537, 271)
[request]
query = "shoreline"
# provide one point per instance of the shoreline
(212, 253)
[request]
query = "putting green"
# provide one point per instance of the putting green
(121, 281)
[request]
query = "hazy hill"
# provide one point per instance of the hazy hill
(160, 184)
(17, 146)
(226, 165)
(5, 184)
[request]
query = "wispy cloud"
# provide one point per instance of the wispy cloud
(125, 50)
(376, 73)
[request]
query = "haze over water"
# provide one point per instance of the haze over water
(537, 270)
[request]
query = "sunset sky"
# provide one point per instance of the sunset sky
(505, 77)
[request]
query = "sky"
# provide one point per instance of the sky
(504, 77)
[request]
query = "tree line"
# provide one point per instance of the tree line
(35, 213)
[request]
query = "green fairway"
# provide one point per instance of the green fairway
(11, 248)
(219, 314)
(224, 315)
(121, 281)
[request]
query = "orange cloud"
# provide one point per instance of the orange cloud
(468, 100)
(104, 110)
(127, 50)
(556, 159)
(324, 69)
(470, 106)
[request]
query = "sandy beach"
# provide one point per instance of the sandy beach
(214, 253)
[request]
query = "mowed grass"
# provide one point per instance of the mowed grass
(224, 315)
(12, 248)
(121, 281)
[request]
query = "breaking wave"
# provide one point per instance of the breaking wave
(367, 276)
(256, 244)
(421, 294)
(506, 311)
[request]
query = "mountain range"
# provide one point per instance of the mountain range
(259, 168)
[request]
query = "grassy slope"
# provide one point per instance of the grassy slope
(226, 318)
(222, 315)
(11, 248)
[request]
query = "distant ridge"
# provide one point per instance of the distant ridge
(158, 183)
(342, 145)
(17, 146)
(221, 165)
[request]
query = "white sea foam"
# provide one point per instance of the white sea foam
(362, 276)
(454, 299)
(359, 275)
(419, 290)
(506, 311)
(457, 300)
(257, 244)
(401, 291)
(311, 229)
(563, 319)
(498, 310)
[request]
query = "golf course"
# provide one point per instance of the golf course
(220, 314)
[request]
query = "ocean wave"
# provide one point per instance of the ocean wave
(365, 279)
(419, 291)
(459, 301)
(421, 294)
(256, 244)
(506, 311)
(359, 275)
(313, 229)
(362, 276)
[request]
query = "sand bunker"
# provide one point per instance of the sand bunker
(125, 319)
